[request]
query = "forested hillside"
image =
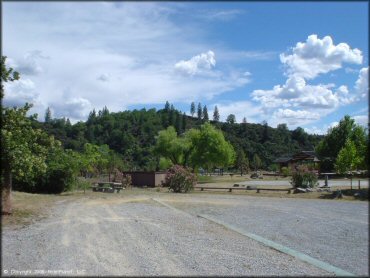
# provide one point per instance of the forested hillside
(132, 134)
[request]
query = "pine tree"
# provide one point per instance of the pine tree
(205, 114)
(200, 112)
(178, 123)
(216, 115)
(48, 115)
(184, 122)
(192, 109)
(167, 106)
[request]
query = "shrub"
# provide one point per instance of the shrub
(303, 177)
(285, 171)
(179, 179)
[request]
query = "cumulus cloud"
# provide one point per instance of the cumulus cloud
(240, 109)
(197, 64)
(316, 56)
(297, 93)
(19, 92)
(362, 120)
(103, 77)
(294, 117)
(75, 108)
(30, 63)
(362, 83)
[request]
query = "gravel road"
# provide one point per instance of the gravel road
(134, 235)
(335, 232)
(364, 183)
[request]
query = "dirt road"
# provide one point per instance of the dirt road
(108, 234)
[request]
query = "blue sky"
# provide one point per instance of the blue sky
(304, 64)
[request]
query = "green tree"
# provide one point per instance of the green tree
(242, 162)
(216, 115)
(7, 74)
(205, 113)
(210, 149)
(169, 146)
(47, 115)
(348, 158)
(192, 109)
(200, 112)
(23, 151)
(183, 122)
(231, 119)
(167, 106)
(336, 138)
(257, 163)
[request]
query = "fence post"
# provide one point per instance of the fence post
(359, 182)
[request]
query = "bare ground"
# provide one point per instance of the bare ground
(106, 234)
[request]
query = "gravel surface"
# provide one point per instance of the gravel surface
(130, 235)
(364, 183)
(335, 232)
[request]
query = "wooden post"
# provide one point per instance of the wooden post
(351, 183)
(326, 180)
(359, 182)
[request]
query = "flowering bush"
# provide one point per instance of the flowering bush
(180, 179)
(304, 177)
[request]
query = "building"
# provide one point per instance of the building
(301, 158)
(152, 179)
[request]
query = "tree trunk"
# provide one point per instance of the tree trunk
(6, 202)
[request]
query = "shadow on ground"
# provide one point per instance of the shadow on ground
(357, 194)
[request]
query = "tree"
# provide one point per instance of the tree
(257, 163)
(242, 162)
(178, 123)
(348, 158)
(265, 132)
(192, 109)
(336, 138)
(47, 115)
(210, 149)
(205, 113)
(169, 146)
(200, 112)
(23, 151)
(216, 115)
(167, 106)
(7, 74)
(184, 122)
(231, 119)
(244, 120)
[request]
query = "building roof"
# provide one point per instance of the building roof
(303, 155)
(282, 159)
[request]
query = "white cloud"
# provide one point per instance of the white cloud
(299, 103)
(19, 92)
(362, 83)
(240, 109)
(223, 15)
(30, 63)
(197, 64)
(296, 93)
(118, 55)
(74, 108)
(294, 117)
(317, 56)
(362, 120)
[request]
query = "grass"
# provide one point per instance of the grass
(27, 208)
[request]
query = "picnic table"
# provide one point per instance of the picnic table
(107, 186)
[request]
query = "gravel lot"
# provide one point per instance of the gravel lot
(120, 234)
(364, 183)
(335, 232)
